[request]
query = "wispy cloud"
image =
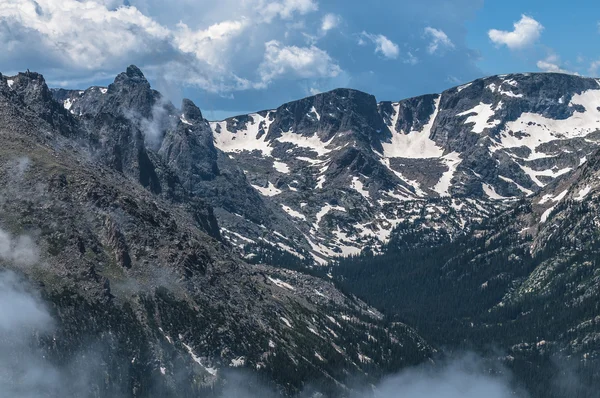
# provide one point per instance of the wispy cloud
(552, 63)
(383, 45)
(594, 68)
(330, 21)
(303, 62)
(438, 40)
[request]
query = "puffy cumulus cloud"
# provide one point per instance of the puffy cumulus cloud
(212, 44)
(79, 39)
(330, 21)
(84, 34)
(383, 45)
(526, 32)
(302, 62)
(438, 40)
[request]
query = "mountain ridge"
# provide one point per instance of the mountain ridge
(470, 214)
(463, 143)
(130, 260)
(465, 140)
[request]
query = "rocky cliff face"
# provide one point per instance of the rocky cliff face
(111, 189)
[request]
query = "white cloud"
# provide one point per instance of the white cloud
(527, 31)
(594, 68)
(87, 33)
(303, 62)
(211, 44)
(330, 21)
(19, 250)
(285, 9)
(82, 38)
(383, 45)
(438, 38)
(552, 64)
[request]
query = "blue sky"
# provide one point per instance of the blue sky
(236, 56)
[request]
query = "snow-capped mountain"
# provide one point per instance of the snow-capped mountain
(104, 210)
(481, 200)
(347, 170)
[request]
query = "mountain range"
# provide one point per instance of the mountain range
(186, 246)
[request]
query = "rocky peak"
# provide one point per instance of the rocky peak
(132, 74)
(346, 111)
(32, 88)
(132, 92)
(190, 111)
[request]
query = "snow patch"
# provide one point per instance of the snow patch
(534, 174)
(413, 183)
(287, 323)
(322, 251)
(281, 167)
(281, 284)
(196, 359)
(243, 140)
(358, 186)
(546, 214)
(270, 190)
(452, 160)
(312, 111)
(341, 239)
(364, 359)
(308, 160)
(554, 199)
(491, 192)
(10, 83)
(414, 144)
(479, 117)
(583, 193)
(292, 212)
(461, 88)
(535, 129)
(493, 88)
(237, 362)
(68, 103)
(237, 235)
(560, 196)
(323, 212)
(312, 142)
